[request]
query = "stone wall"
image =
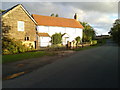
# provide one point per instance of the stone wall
(9, 24)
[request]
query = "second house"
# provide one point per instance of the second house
(48, 25)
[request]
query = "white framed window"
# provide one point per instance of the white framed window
(20, 25)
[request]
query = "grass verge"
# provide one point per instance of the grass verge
(22, 56)
(84, 48)
(101, 42)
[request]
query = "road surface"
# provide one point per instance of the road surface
(93, 68)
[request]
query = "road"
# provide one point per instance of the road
(93, 68)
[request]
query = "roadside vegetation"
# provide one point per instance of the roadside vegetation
(96, 43)
(115, 31)
(26, 55)
(49, 51)
(88, 32)
(14, 50)
(89, 40)
(12, 46)
(84, 48)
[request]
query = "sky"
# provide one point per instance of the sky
(100, 15)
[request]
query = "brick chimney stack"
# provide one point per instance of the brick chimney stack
(76, 16)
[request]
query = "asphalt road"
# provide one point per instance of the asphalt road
(93, 68)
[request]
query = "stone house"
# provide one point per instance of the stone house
(17, 23)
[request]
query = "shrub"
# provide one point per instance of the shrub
(56, 38)
(5, 51)
(12, 46)
(93, 42)
(77, 40)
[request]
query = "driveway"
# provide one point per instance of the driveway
(93, 68)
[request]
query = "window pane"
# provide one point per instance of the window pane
(20, 26)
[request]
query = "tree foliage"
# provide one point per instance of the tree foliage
(115, 31)
(56, 38)
(1, 11)
(77, 40)
(88, 32)
(57, 15)
(53, 15)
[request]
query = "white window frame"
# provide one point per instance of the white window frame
(20, 25)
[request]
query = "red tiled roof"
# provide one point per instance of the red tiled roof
(43, 34)
(56, 21)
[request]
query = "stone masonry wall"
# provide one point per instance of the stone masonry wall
(9, 22)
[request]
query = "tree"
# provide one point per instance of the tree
(77, 40)
(57, 38)
(88, 32)
(57, 15)
(53, 15)
(115, 31)
(1, 11)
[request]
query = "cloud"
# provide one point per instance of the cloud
(104, 7)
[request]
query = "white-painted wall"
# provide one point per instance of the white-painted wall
(45, 41)
(72, 32)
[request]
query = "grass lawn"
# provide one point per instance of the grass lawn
(22, 56)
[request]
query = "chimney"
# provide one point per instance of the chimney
(76, 16)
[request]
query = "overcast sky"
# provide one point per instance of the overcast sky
(100, 15)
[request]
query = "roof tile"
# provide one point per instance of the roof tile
(44, 34)
(56, 21)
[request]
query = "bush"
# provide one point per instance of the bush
(77, 40)
(93, 42)
(12, 46)
(5, 51)
(56, 38)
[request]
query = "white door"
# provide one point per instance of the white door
(44, 41)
